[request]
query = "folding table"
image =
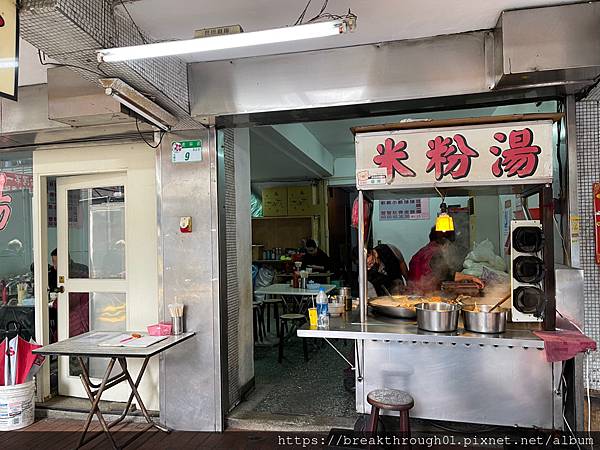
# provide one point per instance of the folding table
(86, 346)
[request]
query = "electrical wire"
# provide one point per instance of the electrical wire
(43, 63)
(302, 14)
(562, 239)
(144, 40)
(162, 135)
(563, 384)
(323, 7)
(321, 15)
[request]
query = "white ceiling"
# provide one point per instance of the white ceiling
(269, 162)
(378, 20)
(336, 137)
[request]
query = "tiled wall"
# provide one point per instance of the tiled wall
(588, 167)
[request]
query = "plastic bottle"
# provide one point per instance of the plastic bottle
(322, 309)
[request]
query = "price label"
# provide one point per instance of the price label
(186, 151)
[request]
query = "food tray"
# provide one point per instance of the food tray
(392, 311)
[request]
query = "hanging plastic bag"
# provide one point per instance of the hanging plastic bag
(265, 278)
(367, 213)
(256, 209)
(482, 252)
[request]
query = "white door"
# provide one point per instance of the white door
(92, 267)
(106, 219)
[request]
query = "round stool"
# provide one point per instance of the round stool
(259, 321)
(391, 400)
(274, 303)
(292, 318)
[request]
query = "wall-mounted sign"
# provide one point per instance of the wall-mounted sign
(474, 155)
(9, 48)
(186, 151)
(404, 209)
(597, 220)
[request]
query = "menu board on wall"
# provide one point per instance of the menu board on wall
(406, 209)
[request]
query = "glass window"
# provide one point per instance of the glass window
(16, 246)
(97, 232)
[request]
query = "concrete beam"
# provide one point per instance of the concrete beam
(301, 138)
(300, 146)
(344, 173)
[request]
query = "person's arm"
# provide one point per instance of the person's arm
(458, 276)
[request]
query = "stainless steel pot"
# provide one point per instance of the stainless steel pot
(345, 292)
(478, 319)
(438, 317)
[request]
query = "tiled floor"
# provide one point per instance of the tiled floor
(297, 394)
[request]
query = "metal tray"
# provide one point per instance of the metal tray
(392, 311)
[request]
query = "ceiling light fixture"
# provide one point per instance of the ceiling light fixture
(251, 39)
(138, 103)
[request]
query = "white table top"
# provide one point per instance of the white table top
(86, 345)
(286, 289)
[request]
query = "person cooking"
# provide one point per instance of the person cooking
(386, 269)
(431, 265)
(315, 258)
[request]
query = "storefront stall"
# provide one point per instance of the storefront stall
(499, 378)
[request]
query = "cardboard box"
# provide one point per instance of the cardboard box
(299, 201)
(257, 252)
(275, 201)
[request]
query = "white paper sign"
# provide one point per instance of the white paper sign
(476, 155)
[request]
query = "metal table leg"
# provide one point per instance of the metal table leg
(95, 401)
(106, 383)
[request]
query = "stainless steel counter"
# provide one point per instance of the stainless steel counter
(380, 328)
(501, 379)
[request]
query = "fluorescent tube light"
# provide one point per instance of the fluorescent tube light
(254, 38)
(138, 103)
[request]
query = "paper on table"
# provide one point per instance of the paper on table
(96, 337)
(144, 341)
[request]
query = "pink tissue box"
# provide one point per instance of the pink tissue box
(160, 329)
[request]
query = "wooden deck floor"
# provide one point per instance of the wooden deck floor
(60, 434)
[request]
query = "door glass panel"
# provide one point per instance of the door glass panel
(95, 311)
(97, 232)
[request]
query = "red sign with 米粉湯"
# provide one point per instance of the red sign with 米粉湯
(597, 220)
(467, 155)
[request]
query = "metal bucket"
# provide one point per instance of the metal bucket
(478, 319)
(438, 317)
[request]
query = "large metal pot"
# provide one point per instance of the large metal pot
(479, 319)
(439, 317)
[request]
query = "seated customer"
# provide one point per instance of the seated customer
(315, 258)
(386, 269)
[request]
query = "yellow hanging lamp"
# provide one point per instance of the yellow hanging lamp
(444, 221)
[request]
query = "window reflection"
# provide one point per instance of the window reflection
(16, 248)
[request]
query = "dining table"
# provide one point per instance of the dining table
(294, 299)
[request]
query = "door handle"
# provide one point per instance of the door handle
(60, 289)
